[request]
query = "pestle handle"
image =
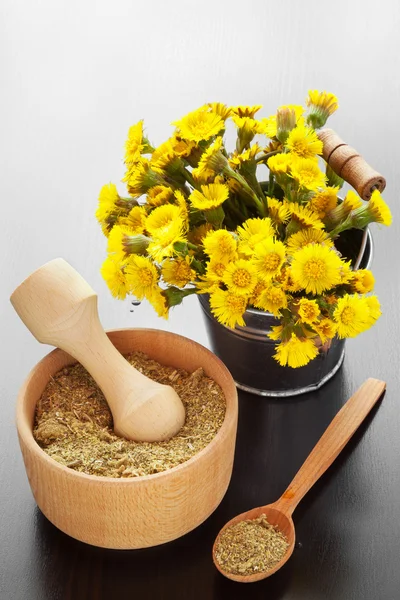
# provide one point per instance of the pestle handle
(60, 308)
(349, 165)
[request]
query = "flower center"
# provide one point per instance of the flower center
(241, 278)
(219, 269)
(147, 277)
(271, 261)
(315, 269)
(308, 312)
(274, 295)
(347, 315)
(300, 147)
(236, 304)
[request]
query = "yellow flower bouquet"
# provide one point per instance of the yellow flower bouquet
(198, 219)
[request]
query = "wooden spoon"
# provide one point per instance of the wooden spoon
(60, 308)
(332, 442)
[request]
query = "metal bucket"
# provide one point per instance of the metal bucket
(248, 352)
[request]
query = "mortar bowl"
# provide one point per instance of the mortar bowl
(135, 512)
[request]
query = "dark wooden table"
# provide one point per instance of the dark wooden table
(348, 526)
(75, 79)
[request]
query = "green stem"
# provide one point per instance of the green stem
(246, 187)
(192, 246)
(271, 184)
(189, 178)
(265, 157)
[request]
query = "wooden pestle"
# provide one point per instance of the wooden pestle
(60, 308)
(349, 165)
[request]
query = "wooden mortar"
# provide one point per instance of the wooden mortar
(142, 511)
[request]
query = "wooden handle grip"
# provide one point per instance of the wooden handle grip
(332, 442)
(349, 165)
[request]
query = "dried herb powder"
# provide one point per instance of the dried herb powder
(249, 547)
(74, 425)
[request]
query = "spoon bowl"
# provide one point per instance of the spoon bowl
(332, 442)
(277, 518)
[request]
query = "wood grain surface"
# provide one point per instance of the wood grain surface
(75, 76)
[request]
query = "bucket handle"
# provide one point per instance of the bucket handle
(349, 165)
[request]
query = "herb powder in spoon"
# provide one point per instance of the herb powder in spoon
(252, 546)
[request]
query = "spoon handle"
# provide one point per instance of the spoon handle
(332, 442)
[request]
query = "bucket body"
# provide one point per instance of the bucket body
(248, 351)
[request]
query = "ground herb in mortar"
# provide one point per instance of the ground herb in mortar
(249, 547)
(73, 423)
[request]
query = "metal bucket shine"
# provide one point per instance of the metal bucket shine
(248, 352)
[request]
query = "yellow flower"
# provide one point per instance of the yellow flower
(346, 273)
(260, 287)
(211, 161)
(200, 125)
(206, 285)
(240, 277)
(303, 216)
(107, 199)
(307, 173)
(351, 202)
(246, 111)
(298, 110)
(159, 302)
(272, 299)
(141, 177)
(135, 221)
(134, 143)
(163, 156)
(141, 276)
(158, 195)
(269, 257)
(322, 105)
(220, 245)
(352, 315)
(296, 352)
(374, 309)
(211, 196)
(237, 160)
(165, 238)
(324, 201)
(197, 234)
(269, 126)
(161, 217)
(248, 126)
(181, 147)
(286, 280)
(303, 238)
(216, 269)
(228, 307)
(316, 268)
(252, 232)
(180, 200)
(113, 274)
(119, 242)
(178, 271)
(220, 109)
(303, 142)
(279, 163)
(309, 310)
(278, 212)
(276, 332)
(326, 329)
(379, 210)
